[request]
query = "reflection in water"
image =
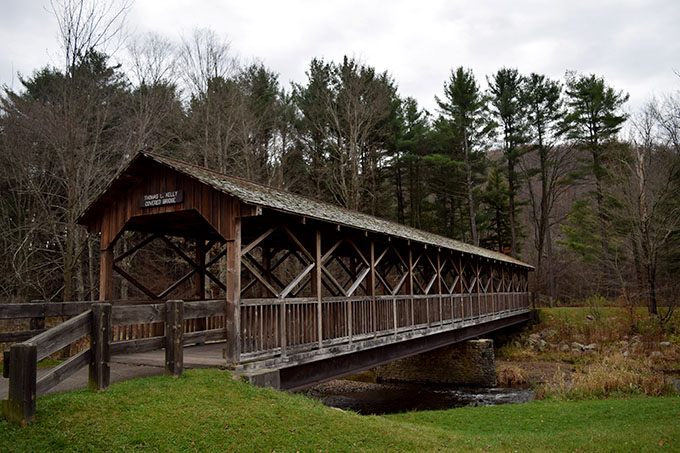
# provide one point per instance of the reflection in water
(368, 398)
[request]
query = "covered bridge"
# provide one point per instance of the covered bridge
(311, 290)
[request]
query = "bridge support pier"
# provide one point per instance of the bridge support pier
(266, 378)
(469, 363)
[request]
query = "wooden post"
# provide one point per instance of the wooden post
(39, 322)
(19, 407)
(439, 288)
(199, 277)
(233, 295)
(316, 287)
(106, 274)
(372, 291)
(410, 284)
(100, 371)
(174, 338)
(5, 364)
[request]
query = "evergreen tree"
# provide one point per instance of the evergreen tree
(508, 106)
(495, 215)
(593, 120)
(465, 107)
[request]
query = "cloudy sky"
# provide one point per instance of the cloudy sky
(634, 44)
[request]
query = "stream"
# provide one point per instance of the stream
(369, 398)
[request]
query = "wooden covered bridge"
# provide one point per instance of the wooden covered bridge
(301, 291)
(306, 281)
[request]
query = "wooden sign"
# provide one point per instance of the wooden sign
(162, 199)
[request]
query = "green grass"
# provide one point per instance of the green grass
(206, 410)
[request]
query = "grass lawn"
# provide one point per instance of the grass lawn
(206, 410)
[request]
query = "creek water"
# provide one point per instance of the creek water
(369, 398)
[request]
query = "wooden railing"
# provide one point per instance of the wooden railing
(97, 321)
(37, 311)
(277, 327)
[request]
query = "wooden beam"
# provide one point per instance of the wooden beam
(257, 241)
(371, 287)
(106, 274)
(233, 295)
(296, 280)
(199, 281)
(297, 242)
(260, 278)
(410, 285)
(317, 286)
(141, 244)
(134, 281)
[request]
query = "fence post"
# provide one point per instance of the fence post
(174, 338)
(5, 364)
(39, 322)
(100, 368)
(19, 407)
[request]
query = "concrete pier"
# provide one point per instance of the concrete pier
(469, 363)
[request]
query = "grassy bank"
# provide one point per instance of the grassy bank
(602, 351)
(206, 410)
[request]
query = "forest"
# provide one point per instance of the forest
(559, 173)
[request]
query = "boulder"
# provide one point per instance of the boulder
(577, 346)
(665, 344)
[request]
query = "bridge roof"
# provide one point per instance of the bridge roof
(280, 200)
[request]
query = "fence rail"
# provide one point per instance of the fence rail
(98, 321)
(273, 327)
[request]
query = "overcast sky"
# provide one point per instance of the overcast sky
(634, 44)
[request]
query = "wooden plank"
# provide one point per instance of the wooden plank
(99, 374)
(204, 308)
(19, 407)
(138, 314)
(137, 345)
(174, 338)
(20, 335)
(62, 371)
(205, 335)
(62, 335)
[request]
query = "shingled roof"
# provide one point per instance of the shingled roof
(283, 201)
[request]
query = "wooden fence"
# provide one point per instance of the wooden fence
(98, 321)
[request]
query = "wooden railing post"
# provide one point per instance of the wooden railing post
(100, 359)
(19, 407)
(174, 338)
(38, 322)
